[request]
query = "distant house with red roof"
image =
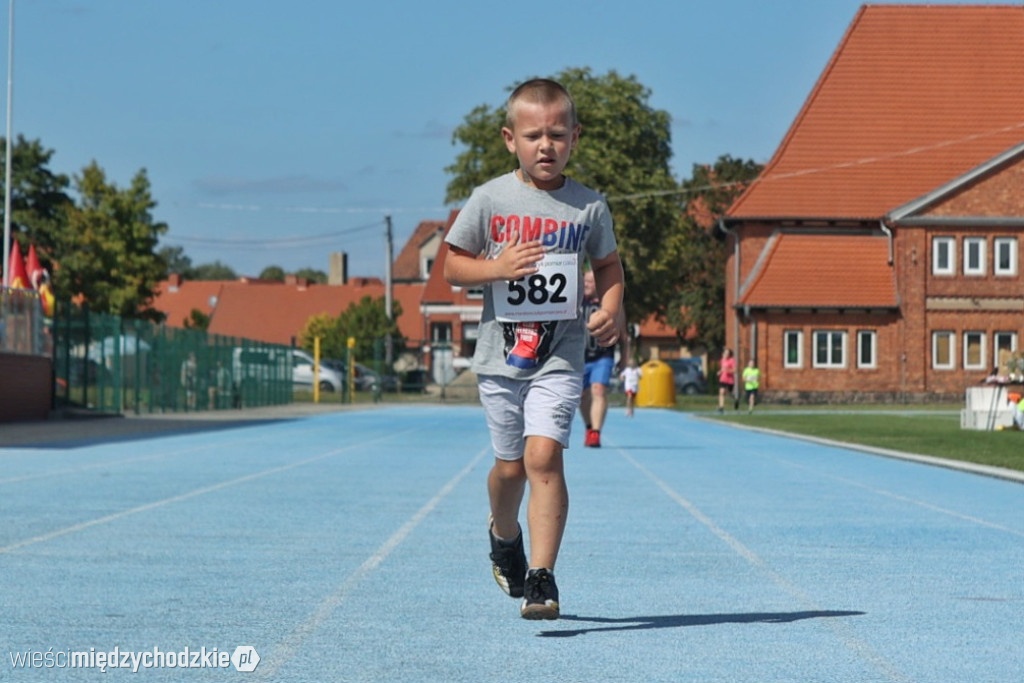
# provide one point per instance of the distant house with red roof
(878, 253)
(439, 320)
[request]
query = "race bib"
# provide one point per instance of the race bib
(548, 294)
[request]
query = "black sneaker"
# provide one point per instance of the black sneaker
(541, 599)
(508, 563)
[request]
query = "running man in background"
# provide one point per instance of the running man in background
(597, 371)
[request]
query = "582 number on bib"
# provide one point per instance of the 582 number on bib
(548, 294)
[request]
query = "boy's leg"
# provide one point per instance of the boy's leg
(546, 513)
(548, 504)
(506, 485)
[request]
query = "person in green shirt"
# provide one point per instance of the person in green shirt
(751, 382)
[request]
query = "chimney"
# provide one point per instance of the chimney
(174, 281)
(338, 268)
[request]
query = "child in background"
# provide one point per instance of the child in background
(751, 382)
(630, 377)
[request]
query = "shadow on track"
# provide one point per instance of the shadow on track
(682, 620)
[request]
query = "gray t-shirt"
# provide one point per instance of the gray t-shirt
(570, 220)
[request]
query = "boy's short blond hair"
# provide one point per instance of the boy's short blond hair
(539, 91)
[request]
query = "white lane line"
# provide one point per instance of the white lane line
(74, 528)
(106, 463)
(905, 499)
(845, 635)
(286, 649)
(126, 461)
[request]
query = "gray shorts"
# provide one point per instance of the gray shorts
(542, 406)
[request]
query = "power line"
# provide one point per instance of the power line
(259, 243)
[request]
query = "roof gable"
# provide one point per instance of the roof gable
(801, 270)
(407, 263)
(990, 192)
(913, 97)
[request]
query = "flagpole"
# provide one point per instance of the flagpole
(9, 152)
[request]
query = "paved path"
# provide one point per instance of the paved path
(350, 546)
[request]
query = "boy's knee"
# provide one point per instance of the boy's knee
(510, 470)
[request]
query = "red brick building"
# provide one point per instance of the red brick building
(878, 254)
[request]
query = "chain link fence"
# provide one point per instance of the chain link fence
(108, 364)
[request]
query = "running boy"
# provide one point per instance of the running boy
(751, 382)
(630, 377)
(598, 363)
(534, 227)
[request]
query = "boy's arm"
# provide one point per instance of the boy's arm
(607, 323)
(463, 269)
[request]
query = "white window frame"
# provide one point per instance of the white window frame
(974, 250)
(798, 343)
(979, 364)
(831, 336)
(872, 336)
(950, 246)
(943, 334)
(998, 345)
(1010, 245)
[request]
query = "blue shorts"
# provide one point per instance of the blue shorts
(598, 371)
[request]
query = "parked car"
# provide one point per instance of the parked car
(302, 373)
(366, 378)
(688, 375)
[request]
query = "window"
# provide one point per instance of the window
(793, 341)
(943, 255)
(470, 333)
(1005, 344)
(440, 333)
(974, 255)
(974, 350)
(1006, 256)
(942, 350)
(866, 352)
(829, 349)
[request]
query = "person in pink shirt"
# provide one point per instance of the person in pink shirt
(726, 377)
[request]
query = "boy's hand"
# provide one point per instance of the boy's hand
(517, 259)
(603, 327)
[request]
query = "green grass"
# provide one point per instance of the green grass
(923, 430)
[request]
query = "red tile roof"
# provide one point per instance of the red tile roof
(801, 271)
(913, 97)
(278, 313)
(177, 299)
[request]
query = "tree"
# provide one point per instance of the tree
(214, 271)
(315, 276)
(178, 262)
(365, 321)
(107, 247)
(39, 199)
(197, 320)
(624, 152)
(697, 301)
(273, 274)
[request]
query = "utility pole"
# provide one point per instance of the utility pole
(388, 294)
(387, 281)
(9, 152)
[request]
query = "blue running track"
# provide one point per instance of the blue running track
(351, 546)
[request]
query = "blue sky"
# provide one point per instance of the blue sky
(274, 133)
